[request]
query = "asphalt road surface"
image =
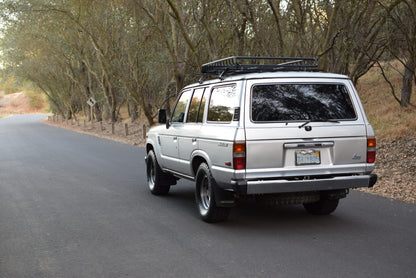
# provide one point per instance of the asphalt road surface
(73, 205)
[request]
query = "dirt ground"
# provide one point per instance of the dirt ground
(16, 103)
(134, 135)
(395, 163)
(396, 169)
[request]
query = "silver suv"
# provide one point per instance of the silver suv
(270, 128)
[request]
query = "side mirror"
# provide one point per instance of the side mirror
(161, 116)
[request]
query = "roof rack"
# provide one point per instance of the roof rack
(245, 64)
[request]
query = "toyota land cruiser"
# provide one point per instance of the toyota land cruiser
(273, 128)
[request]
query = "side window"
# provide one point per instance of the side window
(222, 104)
(178, 115)
(196, 109)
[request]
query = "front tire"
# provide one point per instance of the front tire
(205, 197)
(155, 176)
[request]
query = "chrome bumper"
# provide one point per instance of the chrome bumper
(304, 185)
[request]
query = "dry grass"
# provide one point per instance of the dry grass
(21, 103)
(389, 120)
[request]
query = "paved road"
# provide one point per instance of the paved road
(72, 205)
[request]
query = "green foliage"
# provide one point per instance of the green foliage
(8, 86)
(36, 99)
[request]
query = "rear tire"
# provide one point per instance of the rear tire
(205, 197)
(155, 177)
(322, 207)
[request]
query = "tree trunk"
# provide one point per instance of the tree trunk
(329, 36)
(407, 83)
(297, 9)
(147, 113)
(98, 113)
(133, 110)
(276, 16)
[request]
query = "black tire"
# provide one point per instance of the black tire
(322, 207)
(205, 197)
(155, 176)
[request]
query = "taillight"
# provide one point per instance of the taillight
(371, 150)
(239, 156)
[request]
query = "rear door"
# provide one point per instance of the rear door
(188, 139)
(303, 127)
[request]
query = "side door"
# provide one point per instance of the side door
(168, 139)
(189, 138)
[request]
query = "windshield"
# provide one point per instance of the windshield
(301, 102)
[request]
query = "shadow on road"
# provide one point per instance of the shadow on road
(250, 215)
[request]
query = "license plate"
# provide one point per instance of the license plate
(308, 157)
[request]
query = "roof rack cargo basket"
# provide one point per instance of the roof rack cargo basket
(245, 64)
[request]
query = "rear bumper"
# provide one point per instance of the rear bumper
(321, 184)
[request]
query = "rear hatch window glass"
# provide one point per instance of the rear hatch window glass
(301, 102)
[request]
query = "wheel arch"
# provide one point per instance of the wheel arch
(199, 157)
(149, 147)
(196, 161)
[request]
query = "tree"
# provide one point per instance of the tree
(402, 44)
(142, 52)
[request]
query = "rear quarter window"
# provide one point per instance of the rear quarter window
(301, 102)
(222, 104)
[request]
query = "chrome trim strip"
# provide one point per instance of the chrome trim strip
(308, 145)
(281, 186)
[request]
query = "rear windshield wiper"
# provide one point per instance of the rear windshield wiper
(320, 121)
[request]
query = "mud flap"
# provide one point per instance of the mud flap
(224, 198)
(373, 180)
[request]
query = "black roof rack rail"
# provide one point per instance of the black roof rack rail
(246, 64)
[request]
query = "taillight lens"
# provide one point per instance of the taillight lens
(371, 150)
(239, 156)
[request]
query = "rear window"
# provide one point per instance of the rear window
(300, 102)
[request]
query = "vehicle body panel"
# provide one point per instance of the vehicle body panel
(273, 149)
